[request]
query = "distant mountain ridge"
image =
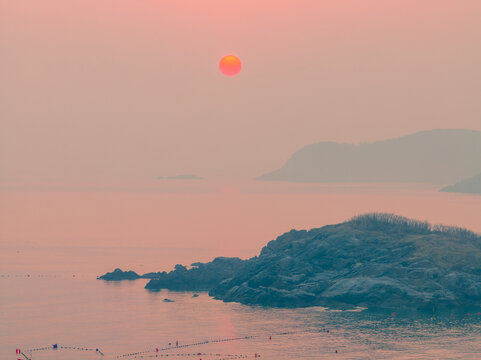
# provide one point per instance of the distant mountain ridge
(442, 156)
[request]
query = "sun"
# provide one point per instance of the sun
(230, 65)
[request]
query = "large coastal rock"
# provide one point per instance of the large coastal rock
(374, 260)
(377, 260)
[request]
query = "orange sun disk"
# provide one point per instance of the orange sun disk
(230, 65)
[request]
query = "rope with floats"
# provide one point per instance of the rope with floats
(216, 356)
(57, 347)
(157, 350)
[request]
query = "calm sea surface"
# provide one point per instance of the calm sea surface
(54, 244)
(123, 318)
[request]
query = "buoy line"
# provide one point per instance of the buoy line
(60, 347)
(53, 347)
(157, 350)
(216, 356)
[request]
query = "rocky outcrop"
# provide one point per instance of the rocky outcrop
(374, 260)
(118, 275)
(200, 277)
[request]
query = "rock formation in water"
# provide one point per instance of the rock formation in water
(376, 260)
(200, 277)
(373, 260)
(118, 275)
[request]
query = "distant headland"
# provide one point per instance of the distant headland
(442, 156)
(374, 260)
(467, 186)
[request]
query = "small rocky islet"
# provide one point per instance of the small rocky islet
(375, 260)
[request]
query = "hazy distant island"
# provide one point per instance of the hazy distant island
(372, 260)
(442, 156)
(181, 177)
(468, 186)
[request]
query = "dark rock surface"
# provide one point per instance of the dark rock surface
(201, 277)
(377, 260)
(374, 260)
(118, 275)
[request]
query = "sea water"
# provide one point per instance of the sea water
(53, 245)
(121, 318)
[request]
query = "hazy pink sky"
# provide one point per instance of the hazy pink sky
(96, 90)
